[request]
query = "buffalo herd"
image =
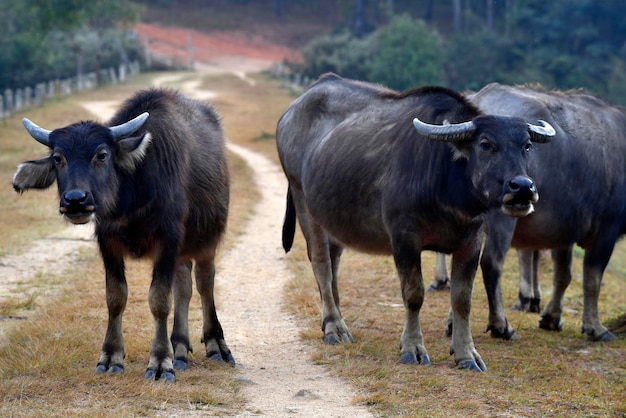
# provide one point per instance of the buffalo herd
(368, 168)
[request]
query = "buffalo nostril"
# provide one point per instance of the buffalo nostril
(75, 196)
(521, 183)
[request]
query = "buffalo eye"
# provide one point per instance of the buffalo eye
(57, 157)
(487, 146)
(528, 146)
(102, 156)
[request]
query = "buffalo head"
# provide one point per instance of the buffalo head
(496, 149)
(85, 160)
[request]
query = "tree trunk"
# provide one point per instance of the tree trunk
(390, 7)
(428, 13)
(456, 15)
(508, 19)
(359, 21)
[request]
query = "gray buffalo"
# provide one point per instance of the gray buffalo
(155, 181)
(582, 177)
(398, 173)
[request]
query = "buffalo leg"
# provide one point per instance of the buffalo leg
(535, 301)
(561, 278)
(324, 257)
(181, 344)
(529, 297)
(497, 243)
(595, 261)
(464, 266)
(408, 264)
(160, 302)
(113, 350)
(441, 281)
(212, 333)
(335, 257)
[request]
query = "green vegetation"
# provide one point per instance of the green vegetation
(43, 40)
(561, 44)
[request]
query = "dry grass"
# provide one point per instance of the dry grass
(47, 362)
(542, 374)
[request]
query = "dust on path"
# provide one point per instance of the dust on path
(48, 255)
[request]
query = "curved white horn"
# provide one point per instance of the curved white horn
(542, 133)
(129, 127)
(456, 132)
(40, 134)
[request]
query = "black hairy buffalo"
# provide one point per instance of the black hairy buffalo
(398, 173)
(155, 181)
(582, 178)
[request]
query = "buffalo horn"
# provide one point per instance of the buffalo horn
(129, 127)
(457, 132)
(37, 132)
(541, 133)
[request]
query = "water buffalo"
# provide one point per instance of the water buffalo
(582, 177)
(155, 180)
(398, 173)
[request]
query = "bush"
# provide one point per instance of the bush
(408, 54)
(340, 53)
(476, 59)
(404, 54)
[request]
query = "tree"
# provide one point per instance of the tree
(77, 16)
(408, 55)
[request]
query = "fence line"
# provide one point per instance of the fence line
(296, 83)
(13, 101)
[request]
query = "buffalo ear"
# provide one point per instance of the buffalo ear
(132, 151)
(461, 151)
(35, 174)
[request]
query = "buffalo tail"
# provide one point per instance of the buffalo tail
(289, 223)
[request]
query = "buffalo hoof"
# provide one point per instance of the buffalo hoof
(410, 358)
(115, 369)
(507, 333)
(535, 305)
(180, 364)
(550, 323)
(526, 304)
(471, 364)
(227, 358)
(605, 337)
(168, 377)
(439, 285)
(522, 304)
(334, 339)
(156, 375)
